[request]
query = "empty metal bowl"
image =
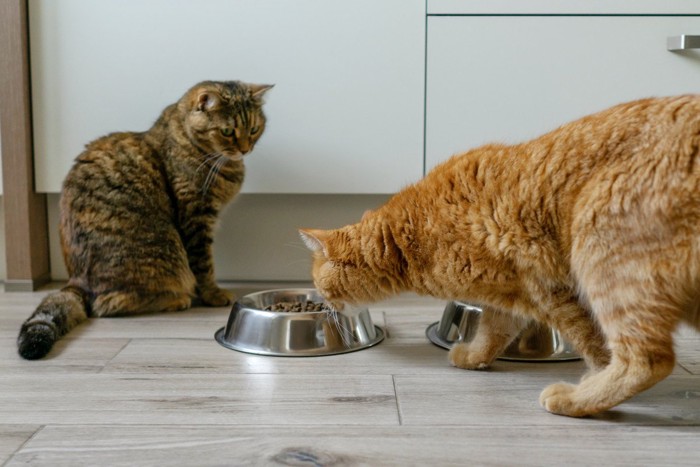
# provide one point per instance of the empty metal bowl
(536, 343)
(295, 333)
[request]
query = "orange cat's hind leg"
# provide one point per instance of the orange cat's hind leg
(640, 340)
(495, 332)
(579, 329)
(637, 364)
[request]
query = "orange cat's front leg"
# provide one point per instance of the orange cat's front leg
(496, 331)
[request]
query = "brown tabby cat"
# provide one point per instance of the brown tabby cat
(138, 209)
(593, 228)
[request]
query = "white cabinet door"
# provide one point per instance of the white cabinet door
(345, 116)
(511, 78)
(562, 7)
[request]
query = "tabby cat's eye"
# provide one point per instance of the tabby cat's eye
(227, 132)
(254, 130)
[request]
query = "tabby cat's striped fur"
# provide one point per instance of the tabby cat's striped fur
(593, 228)
(138, 209)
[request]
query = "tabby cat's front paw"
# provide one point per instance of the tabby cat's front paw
(462, 357)
(559, 399)
(216, 297)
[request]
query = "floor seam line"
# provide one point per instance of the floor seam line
(396, 398)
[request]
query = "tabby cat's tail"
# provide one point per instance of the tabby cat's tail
(57, 314)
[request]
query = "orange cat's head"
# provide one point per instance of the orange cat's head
(224, 117)
(340, 269)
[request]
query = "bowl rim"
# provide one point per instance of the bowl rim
(379, 337)
(299, 291)
(248, 307)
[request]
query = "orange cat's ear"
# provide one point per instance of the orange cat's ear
(259, 90)
(207, 100)
(315, 239)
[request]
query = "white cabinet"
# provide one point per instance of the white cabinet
(345, 116)
(500, 78)
(563, 7)
(348, 111)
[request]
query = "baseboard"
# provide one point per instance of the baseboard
(26, 285)
(15, 285)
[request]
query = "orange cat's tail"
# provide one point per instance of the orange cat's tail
(57, 314)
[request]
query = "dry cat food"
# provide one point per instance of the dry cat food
(297, 307)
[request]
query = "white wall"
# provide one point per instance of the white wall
(257, 238)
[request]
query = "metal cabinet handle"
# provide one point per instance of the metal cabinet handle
(683, 42)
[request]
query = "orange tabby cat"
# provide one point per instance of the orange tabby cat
(593, 228)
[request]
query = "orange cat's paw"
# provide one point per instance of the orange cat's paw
(462, 357)
(216, 297)
(559, 399)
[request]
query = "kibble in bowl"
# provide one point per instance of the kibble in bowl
(298, 307)
(296, 323)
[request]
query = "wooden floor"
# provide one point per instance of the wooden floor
(159, 390)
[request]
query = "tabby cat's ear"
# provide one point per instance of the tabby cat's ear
(314, 239)
(259, 90)
(207, 100)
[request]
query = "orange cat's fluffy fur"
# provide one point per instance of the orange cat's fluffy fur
(593, 228)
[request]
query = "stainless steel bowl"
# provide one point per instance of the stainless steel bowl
(295, 334)
(536, 343)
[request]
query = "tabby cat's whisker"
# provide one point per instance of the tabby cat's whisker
(213, 172)
(208, 180)
(207, 158)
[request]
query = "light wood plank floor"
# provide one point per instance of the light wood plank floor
(158, 390)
